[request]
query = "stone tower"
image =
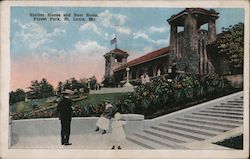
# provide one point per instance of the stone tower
(114, 59)
(188, 33)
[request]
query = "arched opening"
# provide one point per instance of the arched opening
(150, 71)
(133, 74)
(139, 73)
(161, 67)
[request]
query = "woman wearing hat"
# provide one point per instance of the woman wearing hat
(104, 121)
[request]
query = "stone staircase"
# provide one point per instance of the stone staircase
(196, 125)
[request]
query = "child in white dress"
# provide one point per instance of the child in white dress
(118, 135)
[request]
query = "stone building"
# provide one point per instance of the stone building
(114, 59)
(149, 64)
(186, 34)
(192, 30)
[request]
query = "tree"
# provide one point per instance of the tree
(17, 96)
(42, 89)
(46, 89)
(109, 82)
(93, 82)
(231, 44)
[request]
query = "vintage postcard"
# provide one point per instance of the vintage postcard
(124, 79)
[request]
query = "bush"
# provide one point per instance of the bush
(233, 142)
(164, 96)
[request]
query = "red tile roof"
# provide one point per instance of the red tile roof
(118, 52)
(145, 58)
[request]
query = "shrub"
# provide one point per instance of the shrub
(161, 95)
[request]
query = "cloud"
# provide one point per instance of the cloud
(90, 26)
(154, 29)
(90, 48)
(143, 35)
(114, 21)
(34, 35)
(123, 30)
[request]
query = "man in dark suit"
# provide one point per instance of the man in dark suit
(65, 112)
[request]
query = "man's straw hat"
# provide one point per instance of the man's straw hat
(68, 91)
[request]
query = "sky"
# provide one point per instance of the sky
(60, 50)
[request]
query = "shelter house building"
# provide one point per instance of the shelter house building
(187, 36)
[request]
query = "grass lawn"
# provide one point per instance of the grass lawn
(233, 142)
(21, 107)
(95, 99)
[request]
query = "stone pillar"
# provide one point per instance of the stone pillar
(191, 32)
(173, 35)
(211, 30)
(88, 83)
(127, 84)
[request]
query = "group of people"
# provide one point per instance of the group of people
(145, 79)
(64, 109)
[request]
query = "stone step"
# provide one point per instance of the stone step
(234, 101)
(148, 142)
(188, 129)
(186, 123)
(163, 142)
(225, 109)
(233, 104)
(139, 142)
(190, 135)
(216, 119)
(228, 106)
(239, 99)
(169, 136)
(208, 123)
(218, 115)
(221, 112)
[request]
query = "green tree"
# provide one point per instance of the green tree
(109, 82)
(42, 89)
(46, 89)
(231, 44)
(17, 96)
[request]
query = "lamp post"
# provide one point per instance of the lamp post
(88, 83)
(127, 84)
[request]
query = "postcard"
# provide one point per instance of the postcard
(124, 79)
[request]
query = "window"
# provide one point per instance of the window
(118, 59)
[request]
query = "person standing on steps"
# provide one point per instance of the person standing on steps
(104, 121)
(64, 109)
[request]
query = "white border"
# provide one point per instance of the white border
(71, 153)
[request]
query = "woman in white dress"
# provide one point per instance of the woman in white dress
(118, 135)
(104, 121)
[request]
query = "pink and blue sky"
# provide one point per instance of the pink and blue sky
(61, 50)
